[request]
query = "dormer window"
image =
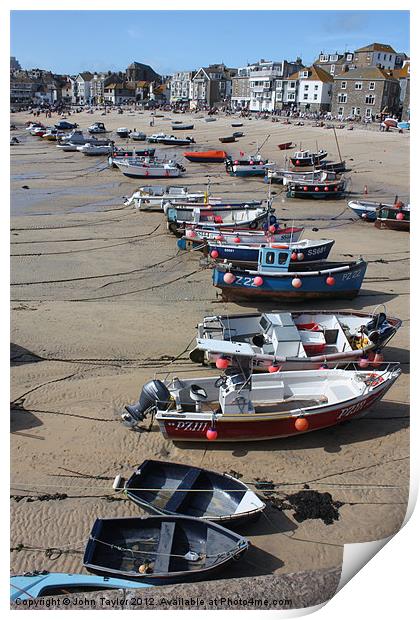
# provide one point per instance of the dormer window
(304, 74)
(323, 58)
(349, 56)
(333, 57)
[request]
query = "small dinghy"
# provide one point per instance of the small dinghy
(286, 145)
(176, 489)
(139, 167)
(197, 234)
(339, 166)
(34, 585)
(238, 134)
(366, 209)
(247, 216)
(122, 132)
(176, 126)
(237, 124)
(227, 139)
(161, 550)
(138, 136)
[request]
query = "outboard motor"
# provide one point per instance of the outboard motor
(378, 329)
(154, 395)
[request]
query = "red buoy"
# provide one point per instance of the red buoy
(305, 189)
(317, 189)
(363, 362)
(214, 253)
(258, 281)
(229, 278)
(296, 282)
(211, 434)
(400, 216)
(301, 424)
(272, 228)
(218, 219)
(219, 238)
(326, 188)
(190, 234)
(273, 368)
(330, 281)
(222, 363)
(293, 256)
(237, 240)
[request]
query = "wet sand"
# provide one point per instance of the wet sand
(102, 300)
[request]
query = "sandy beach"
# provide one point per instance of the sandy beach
(102, 300)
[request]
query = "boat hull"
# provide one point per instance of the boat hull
(249, 256)
(256, 428)
(275, 286)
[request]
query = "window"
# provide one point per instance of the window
(316, 87)
(305, 96)
(304, 74)
(332, 70)
(370, 99)
(323, 58)
(315, 97)
(341, 111)
(343, 85)
(269, 258)
(368, 112)
(355, 111)
(306, 87)
(349, 57)
(371, 85)
(291, 96)
(292, 84)
(334, 57)
(358, 85)
(342, 98)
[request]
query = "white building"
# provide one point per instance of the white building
(262, 78)
(180, 86)
(374, 55)
(314, 91)
(82, 88)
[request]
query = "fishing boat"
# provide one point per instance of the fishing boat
(38, 132)
(146, 167)
(180, 205)
(51, 134)
(237, 124)
(64, 125)
(175, 489)
(244, 406)
(302, 340)
(170, 140)
(157, 197)
(94, 149)
(77, 137)
(208, 157)
(227, 139)
(138, 136)
(97, 128)
(273, 233)
(210, 119)
(183, 126)
(161, 550)
(242, 216)
(339, 166)
(284, 146)
(37, 584)
(134, 155)
(366, 209)
(307, 158)
(394, 218)
(322, 189)
(278, 277)
(67, 147)
(246, 255)
(278, 175)
(251, 166)
(238, 134)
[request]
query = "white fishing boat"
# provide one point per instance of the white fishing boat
(242, 406)
(93, 149)
(67, 147)
(138, 136)
(157, 196)
(232, 235)
(97, 128)
(276, 175)
(145, 167)
(77, 137)
(122, 132)
(301, 340)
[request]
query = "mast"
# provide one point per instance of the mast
(338, 148)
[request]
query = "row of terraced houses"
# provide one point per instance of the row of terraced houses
(371, 81)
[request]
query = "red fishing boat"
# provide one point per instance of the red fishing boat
(286, 145)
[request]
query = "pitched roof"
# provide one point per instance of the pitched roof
(377, 47)
(404, 72)
(294, 76)
(86, 75)
(366, 73)
(319, 74)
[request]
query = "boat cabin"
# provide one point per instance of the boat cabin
(274, 258)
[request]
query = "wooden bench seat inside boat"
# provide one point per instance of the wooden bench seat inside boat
(163, 554)
(182, 490)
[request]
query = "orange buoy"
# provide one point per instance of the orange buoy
(301, 424)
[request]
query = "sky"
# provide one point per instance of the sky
(169, 41)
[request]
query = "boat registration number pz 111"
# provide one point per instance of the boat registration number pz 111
(188, 425)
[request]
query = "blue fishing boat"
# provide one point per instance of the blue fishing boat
(277, 277)
(365, 209)
(32, 585)
(246, 255)
(317, 189)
